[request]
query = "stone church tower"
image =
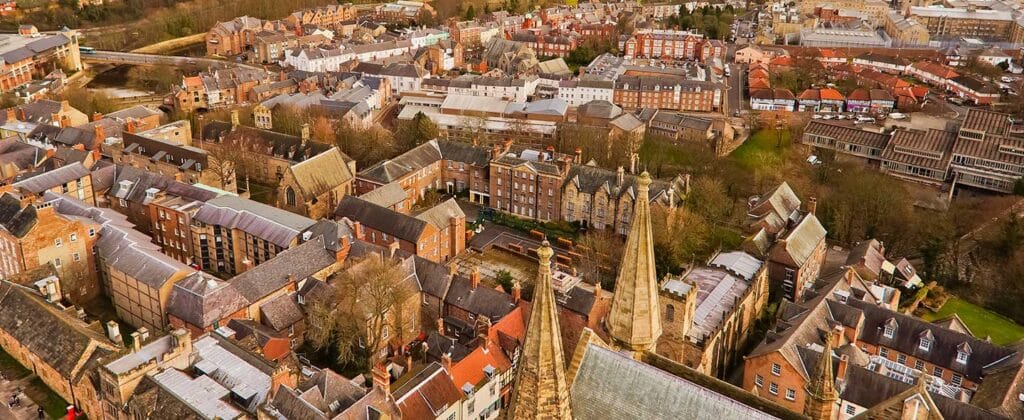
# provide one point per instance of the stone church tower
(821, 390)
(541, 390)
(634, 322)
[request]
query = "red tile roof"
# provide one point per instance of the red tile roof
(831, 95)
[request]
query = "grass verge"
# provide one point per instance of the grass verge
(982, 322)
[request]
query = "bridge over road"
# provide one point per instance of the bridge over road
(160, 60)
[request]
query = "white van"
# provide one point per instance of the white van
(862, 119)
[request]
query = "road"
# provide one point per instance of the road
(161, 60)
(736, 99)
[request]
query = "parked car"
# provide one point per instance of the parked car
(897, 116)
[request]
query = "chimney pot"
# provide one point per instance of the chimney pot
(812, 205)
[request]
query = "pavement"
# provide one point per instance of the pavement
(27, 410)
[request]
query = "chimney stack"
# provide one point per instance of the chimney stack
(382, 379)
(812, 205)
(98, 134)
(517, 292)
(129, 126)
(440, 326)
(844, 363)
(474, 278)
(96, 116)
(136, 342)
(597, 290)
(578, 158)
(357, 230)
(113, 331)
(446, 362)
(620, 176)
(483, 329)
(305, 133)
(12, 114)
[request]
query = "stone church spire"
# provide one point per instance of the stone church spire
(634, 322)
(541, 390)
(821, 390)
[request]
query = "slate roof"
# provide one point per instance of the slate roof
(381, 219)
(66, 341)
(16, 219)
(984, 356)
(589, 179)
(481, 300)
(280, 145)
(386, 195)
(434, 278)
(269, 223)
(776, 208)
(441, 215)
(609, 384)
(322, 173)
(415, 159)
(281, 312)
(200, 299)
(142, 180)
(120, 245)
(52, 179)
(295, 264)
(803, 239)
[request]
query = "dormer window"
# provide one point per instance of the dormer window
(926, 340)
(963, 353)
(890, 328)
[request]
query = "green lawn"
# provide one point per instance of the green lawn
(42, 395)
(10, 368)
(762, 149)
(981, 321)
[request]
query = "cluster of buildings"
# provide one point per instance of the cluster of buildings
(983, 152)
(874, 23)
(882, 79)
(31, 61)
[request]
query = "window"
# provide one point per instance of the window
(57, 242)
(289, 196)
(790, 394)
(77, 256)
(919, 365)
(851, 409)
(937, 371)
(74, 237)
(957, 379)
(901, 359)
(92, 232)
(670, 313)
(889, 331)
(961, 357)
(776, 369)
(758, 381)
(884, 352)
(56, 262)
(773, 388)
(925, 344)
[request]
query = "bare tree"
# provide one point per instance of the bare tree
(600, 251)
(369, 307)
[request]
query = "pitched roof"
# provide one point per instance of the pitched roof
(387, 195)
(201, 299)
(381, 219)
(272, 224)
(480, 300)
(415, 159)
(281, 312)
(323, 172)
(442, 215)
(52, 179)
(610, 384)
(428, 394)
(801, 242)
(66, 342)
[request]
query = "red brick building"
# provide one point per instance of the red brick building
(529, 184)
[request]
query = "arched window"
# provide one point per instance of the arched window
(670, 313)
(289, 196)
